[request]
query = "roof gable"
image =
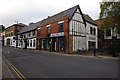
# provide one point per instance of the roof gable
(69, 12)
(89, 19)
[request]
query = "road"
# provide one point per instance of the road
(38, 64)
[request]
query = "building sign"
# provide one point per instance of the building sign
(92, 38)
(57, 34)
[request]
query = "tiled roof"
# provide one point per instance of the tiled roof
(69, 12)
(89, 19)
(29, 28)
(63, 13)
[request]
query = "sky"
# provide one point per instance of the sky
(26, 11)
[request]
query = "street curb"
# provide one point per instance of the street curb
(62, 54)
(8, 70)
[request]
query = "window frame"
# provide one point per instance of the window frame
(48, 30)
(47, 43)
(39, 30)
(34, 41)
(108, 34)
(62, 44)
(42, 44)
(60, 30)
(30, 43)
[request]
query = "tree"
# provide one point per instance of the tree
(110, 16)
(110, 12)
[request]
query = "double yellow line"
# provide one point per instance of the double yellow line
(15, 70)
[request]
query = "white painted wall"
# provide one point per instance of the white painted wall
(113, 33)
(90, 35)
(29, 38)
(12, 41)
(22, 45)
(77, 30)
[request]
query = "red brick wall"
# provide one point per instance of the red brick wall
(54, 28)
(9, 30)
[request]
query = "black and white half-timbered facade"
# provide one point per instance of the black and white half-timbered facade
(27, 37)
(77, 29)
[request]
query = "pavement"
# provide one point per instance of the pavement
(89, 56)
(42, 64)
(6, 73)
(0, 62)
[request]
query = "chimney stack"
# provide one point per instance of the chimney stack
(31, 23)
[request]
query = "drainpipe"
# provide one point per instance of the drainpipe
(68, 35)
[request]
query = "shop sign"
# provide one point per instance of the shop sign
(57, 34)
(92, 38)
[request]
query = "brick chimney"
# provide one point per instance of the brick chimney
(48, 16)
(31, 23)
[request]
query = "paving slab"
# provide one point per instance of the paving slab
(0, 62)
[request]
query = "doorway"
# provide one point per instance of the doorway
(8, 42)
(54, 44)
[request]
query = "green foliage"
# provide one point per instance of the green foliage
(113, 49)
(110, 12)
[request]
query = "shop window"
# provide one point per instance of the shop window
(48, 44)
(108, 32)
(34, 43)
(61, 44)
(19, 43)
(92, 45)
(11, 41)
(43, 44)
(30, 43)
(38, 32)
(61, 27)
(38, 43)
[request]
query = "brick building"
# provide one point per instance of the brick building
(2, 34)
(63, 32)
(106, 37)
(11, 34)
(91, 33)
(27, 36)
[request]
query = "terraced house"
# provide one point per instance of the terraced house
(67, 32)
(27, 36)
(63, 32)
(11, 34)
(91, 33)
